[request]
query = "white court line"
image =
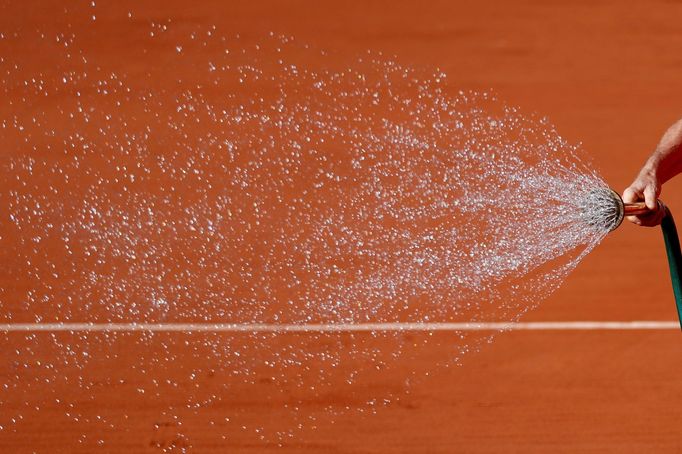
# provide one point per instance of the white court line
(338, 327)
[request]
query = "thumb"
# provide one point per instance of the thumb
(631, 195)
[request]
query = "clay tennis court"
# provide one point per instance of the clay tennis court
(605, 73)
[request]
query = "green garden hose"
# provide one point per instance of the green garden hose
(672, 248)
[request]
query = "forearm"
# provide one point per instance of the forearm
(666, 161)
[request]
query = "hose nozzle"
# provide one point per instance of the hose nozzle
(604, 208)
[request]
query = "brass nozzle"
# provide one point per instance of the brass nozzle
(626, 209)
(633, 209)
(604, 208)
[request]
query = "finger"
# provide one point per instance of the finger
(631, 195)
(652, 219)
(650, 197)
(634, 219)
(660, 215)
(652, 222)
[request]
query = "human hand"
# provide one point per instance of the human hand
(646, 187)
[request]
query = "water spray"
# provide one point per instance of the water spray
(607, 210)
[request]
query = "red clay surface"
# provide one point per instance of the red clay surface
(606, 74)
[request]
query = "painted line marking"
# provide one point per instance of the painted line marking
(338, 327)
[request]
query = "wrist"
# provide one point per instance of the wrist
(651, 169)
